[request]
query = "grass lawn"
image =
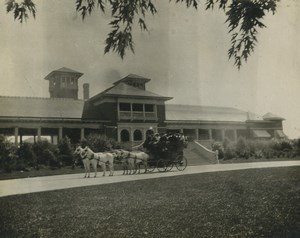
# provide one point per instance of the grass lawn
(245, 203)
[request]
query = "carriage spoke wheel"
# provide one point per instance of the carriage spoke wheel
(169, 165)
(161, 165)
(180, 162)
(151, 166)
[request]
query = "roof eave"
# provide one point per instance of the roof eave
(57, 71)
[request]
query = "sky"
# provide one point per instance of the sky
(184, 53)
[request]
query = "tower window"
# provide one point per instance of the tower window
(137, 107)
(125, 107)
(149, 108)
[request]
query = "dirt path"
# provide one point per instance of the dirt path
(38, 184)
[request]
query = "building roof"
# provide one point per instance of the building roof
(125, 90)
(63, 70)
(40, 107)
(261, 134)
(132, 76)
(272, 117)
(175, 112)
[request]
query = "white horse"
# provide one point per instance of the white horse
(86, 162)
(140, 157)
(135, 159)
(128, 163)
(102, 158)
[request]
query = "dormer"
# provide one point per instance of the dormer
(63, 83)
(134, 81)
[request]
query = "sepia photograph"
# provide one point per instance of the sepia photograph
(149, 118)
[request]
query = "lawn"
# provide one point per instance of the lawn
(245, 203)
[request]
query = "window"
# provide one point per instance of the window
(203, 134)
(137, 135)
(217, 134)
(124, 135)
(124, 107)
(149, 108)
(72, 81)
(137, 107)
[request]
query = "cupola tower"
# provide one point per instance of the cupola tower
(63, 83)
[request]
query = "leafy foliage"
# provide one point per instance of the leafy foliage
(7, 155)
(99, 143)
(244, 18)
(259, 149)
(21, 10)
(39, 149)
(65, 151)
(26, 155)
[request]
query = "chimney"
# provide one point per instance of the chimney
(86, 91)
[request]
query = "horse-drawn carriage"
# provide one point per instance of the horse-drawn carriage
(166, 152)
(161, 151)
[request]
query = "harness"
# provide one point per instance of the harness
(92, 157)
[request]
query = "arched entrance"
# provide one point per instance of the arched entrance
(125, 135)
(137, 135)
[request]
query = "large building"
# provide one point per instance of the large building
(125, 111)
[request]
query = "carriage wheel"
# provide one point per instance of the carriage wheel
(151, 166)
(161, 165)
(169, 165)
(180, 162)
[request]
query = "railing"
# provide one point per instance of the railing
(145, 116)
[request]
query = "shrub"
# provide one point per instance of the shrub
(26, 154)
(229, 152)
(99, 143)
(219, 147)
(39, 148)
(52, 160)
(65, 151)
(296, 147)
(8, 155)
(243, 149)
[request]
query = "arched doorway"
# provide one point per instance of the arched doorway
(137, 135)
(125, 135)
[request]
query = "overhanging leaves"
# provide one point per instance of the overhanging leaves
(244, 18)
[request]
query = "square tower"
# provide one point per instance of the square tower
(63, 83)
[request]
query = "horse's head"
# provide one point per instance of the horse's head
(78, 150)
(116, 153)
(87, 153)
(125, 153)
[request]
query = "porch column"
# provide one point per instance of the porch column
(235, 135)
(144, 133)
(131, 134)
(119, 136)
(210, 134)
(223, 135)
(197, 134)
(131, 112)
(81, 133)
(60, 134)
(39, 133)
(16, 135)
